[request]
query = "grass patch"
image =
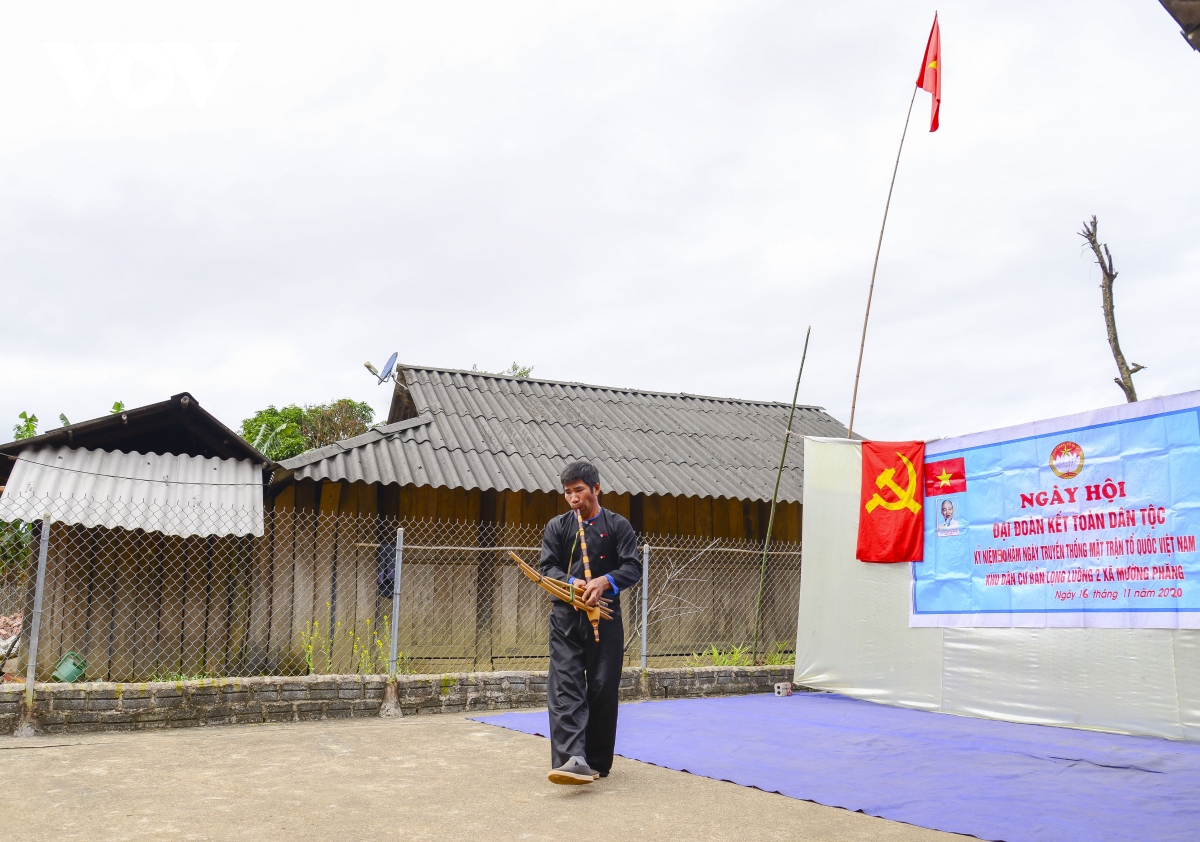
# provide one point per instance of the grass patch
(741, 656)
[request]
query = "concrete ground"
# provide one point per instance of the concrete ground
(429, 777)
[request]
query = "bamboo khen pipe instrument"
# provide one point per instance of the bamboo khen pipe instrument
(587, 570)
(569, 595)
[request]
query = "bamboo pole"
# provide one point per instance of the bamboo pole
(875, 267)
(762, 571)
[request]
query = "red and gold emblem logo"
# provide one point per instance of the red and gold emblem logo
(1066, 460)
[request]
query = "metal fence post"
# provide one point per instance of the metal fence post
(396, 601)
(35, 629)
(645, 596)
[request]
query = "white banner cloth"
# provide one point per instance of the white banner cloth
(853, 637)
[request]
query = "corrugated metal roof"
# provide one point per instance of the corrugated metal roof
(495, 432)
(168, 493)
(176, 425)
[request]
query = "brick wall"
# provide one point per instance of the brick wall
(97, 706)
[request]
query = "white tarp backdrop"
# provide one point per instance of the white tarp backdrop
(853, 637)
(168, 493)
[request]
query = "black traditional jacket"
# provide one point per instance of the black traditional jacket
(612, 550)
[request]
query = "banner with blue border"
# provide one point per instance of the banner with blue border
(1089, 520)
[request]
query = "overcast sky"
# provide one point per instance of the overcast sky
(246, 201)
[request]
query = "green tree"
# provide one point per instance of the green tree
(287, 432)
(15, 536)
(276, 432)
(15, 541)
(26, 427)
(335, 421)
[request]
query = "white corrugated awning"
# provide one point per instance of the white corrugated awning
(168, 493)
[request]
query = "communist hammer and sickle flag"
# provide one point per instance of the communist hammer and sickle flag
(891, 518)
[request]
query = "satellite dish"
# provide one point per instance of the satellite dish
(389, 368)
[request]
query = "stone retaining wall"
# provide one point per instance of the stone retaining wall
(97, 706)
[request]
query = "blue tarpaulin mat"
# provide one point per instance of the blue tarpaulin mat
(994, 780)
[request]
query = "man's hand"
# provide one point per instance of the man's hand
(593, 590)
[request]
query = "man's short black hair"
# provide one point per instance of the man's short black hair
(581, 470)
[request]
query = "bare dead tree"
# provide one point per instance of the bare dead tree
(1109, 274)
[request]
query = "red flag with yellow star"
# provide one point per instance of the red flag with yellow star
(930, 77)
(946, 477)
(891, 526)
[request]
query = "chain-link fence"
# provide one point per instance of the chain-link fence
(318, 594)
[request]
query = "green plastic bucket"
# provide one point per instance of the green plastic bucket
(69, 668)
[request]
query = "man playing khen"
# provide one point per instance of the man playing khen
(585, 674)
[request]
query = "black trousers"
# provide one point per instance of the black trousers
(585, 677)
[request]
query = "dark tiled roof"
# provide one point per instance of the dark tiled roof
(177, 426)
(494, 432)
(1187, 15)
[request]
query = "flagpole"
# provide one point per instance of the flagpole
(878, 247)
(762, 571)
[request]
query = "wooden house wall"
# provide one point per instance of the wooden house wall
(704, 517)
(472, 610)
(307, 595)
(136, 605)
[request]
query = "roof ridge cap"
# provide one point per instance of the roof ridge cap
(372, 435)
(619, 389)
(47, 446)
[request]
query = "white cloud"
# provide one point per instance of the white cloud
(654, 195)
